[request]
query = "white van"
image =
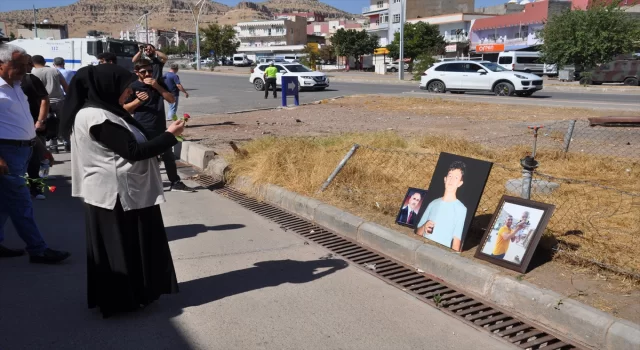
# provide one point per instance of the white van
(241, 60)
(521, 61)
(291, 57)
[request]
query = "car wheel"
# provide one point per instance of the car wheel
(585, 81)
(504, 89)
(631, 82)
(258, 84)
(436, 87)
(393, 70)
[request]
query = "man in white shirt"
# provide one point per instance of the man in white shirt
(17, 134)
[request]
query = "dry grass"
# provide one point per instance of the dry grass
(592, 222)
(479, 111)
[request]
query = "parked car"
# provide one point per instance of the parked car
(461, 76)
(307, 78)
(625, 69)
(395, 66)
(241, 60)
(521, 61)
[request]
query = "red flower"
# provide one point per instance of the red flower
(52, 189)
(186, 116)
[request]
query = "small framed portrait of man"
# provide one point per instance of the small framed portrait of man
(453, 196)
(410, 208)
(514, 232)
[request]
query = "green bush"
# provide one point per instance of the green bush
(421, 64)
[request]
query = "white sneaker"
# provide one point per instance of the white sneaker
(40, 197)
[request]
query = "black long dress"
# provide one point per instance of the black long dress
(129, 263)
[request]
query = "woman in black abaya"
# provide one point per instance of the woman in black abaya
(115, 171)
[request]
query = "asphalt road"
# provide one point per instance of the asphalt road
(219, 93)
(245, 283)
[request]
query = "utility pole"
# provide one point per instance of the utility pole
(402, 19)
(196, 21)
(146, 24)
(35, 22)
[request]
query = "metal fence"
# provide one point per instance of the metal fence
(589, 174)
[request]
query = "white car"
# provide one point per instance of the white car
(461, 76)
(395, 66)
(307, 78)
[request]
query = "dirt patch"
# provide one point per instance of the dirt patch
(404, 136)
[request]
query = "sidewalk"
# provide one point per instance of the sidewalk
(245, 284)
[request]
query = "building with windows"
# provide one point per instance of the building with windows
(45, 30)
(384, 15)
(517, 31)
(455, 29)
(160, 38)
(310, 16)
(281, 32)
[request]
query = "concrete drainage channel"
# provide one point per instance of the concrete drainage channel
(479, 314)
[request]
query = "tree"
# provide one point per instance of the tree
(588, 38)
(312, 54)
(327, 53)
(12, 36)
(220, 39)
(354, 43)
(419, 39)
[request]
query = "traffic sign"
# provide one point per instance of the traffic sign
(290, 86)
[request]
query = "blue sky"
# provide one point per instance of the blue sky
(353, 6)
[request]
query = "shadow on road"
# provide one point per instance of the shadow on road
(213, 124)
(175, 233)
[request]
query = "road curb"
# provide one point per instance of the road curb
(550, 309)
(547, 308)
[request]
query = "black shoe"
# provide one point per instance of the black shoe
(10, 253)
(49, 256)
(179, 186)
(275, 96)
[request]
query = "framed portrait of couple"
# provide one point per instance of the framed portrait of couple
(514, 232)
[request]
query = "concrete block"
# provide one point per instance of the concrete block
(455, 270)
(184, 150)
(550, 309)
(388, 242)
(218, 167)
(199, 155)
(306, 207)
(337, 220)
(286, 199)
(623, 335)
(244, 184)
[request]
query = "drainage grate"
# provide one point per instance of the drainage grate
(479, 314)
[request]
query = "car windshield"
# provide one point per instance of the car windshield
(297, 68)
(494, 67)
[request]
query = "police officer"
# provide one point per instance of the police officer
(270, 75)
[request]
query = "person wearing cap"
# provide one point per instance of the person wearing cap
(172, 80)
(67, 74)
(270, 75)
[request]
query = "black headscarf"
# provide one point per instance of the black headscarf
(100, 87)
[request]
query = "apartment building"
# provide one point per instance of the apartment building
(455, 29)
(384, 15)
(280, 32)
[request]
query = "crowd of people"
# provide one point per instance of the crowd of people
(114, 124)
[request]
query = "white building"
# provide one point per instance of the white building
(455, 29)
(281, 32)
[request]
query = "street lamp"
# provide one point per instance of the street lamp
(402, 20)
(196, 19)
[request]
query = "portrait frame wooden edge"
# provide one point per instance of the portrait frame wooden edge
(544, 221)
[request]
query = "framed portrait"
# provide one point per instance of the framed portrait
(453, 196)
(514, 232)
(410, 208)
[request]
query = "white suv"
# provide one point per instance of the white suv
(307, 78)
(461, 76)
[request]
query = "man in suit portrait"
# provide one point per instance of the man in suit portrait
(409, 212)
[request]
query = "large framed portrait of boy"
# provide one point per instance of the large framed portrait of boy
(452, 199)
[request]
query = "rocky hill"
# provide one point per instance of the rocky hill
(113, 16)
